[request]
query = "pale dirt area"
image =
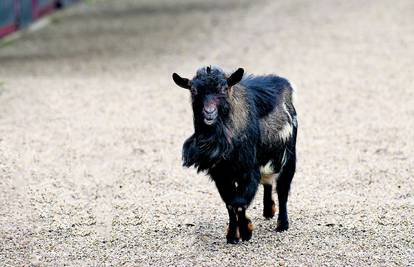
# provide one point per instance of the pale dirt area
(91, 129)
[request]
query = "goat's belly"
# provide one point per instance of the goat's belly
(267, 174)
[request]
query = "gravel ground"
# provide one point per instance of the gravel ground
(91, 129)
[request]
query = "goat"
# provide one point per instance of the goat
(245, 130)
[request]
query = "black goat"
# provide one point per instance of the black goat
(244, 133)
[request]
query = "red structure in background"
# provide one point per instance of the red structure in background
(17, 14)
(42, 7)
(8, 10)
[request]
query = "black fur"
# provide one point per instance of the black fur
(243, 138)
(266, 91)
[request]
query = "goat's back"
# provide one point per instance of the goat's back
(273, 99)
(267, 92)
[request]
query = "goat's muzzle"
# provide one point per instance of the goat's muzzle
(210, 114)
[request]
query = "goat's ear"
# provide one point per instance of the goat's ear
(235, 77)
(182, 82)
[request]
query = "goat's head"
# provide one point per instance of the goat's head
(210, 91)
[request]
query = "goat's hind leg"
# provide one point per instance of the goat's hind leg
(269, 207)
(282, 187)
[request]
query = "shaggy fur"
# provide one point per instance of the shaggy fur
(255, 130)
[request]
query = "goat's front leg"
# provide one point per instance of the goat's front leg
(245, 225)
(240, 226)
(227, 191)
(233, 233)
(237, 195)
(244, 194)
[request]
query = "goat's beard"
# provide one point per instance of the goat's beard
(207, 146)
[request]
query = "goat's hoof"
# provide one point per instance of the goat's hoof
(282, 225)
(232, 241)
(269, 211)
(246, 230)
(233, 235)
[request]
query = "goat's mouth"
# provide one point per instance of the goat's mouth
(209, 121)
(210, 117)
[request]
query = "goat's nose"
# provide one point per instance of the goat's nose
(209, 110)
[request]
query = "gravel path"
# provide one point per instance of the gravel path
(91, 128)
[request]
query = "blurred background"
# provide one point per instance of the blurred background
(18, 14)
(91, 130)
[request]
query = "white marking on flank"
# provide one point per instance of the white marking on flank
(287, 129)
(287, 112)
(267, 169)
(286, 132)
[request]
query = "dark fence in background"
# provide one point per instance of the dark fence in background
(7, 17)
(17, 14)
